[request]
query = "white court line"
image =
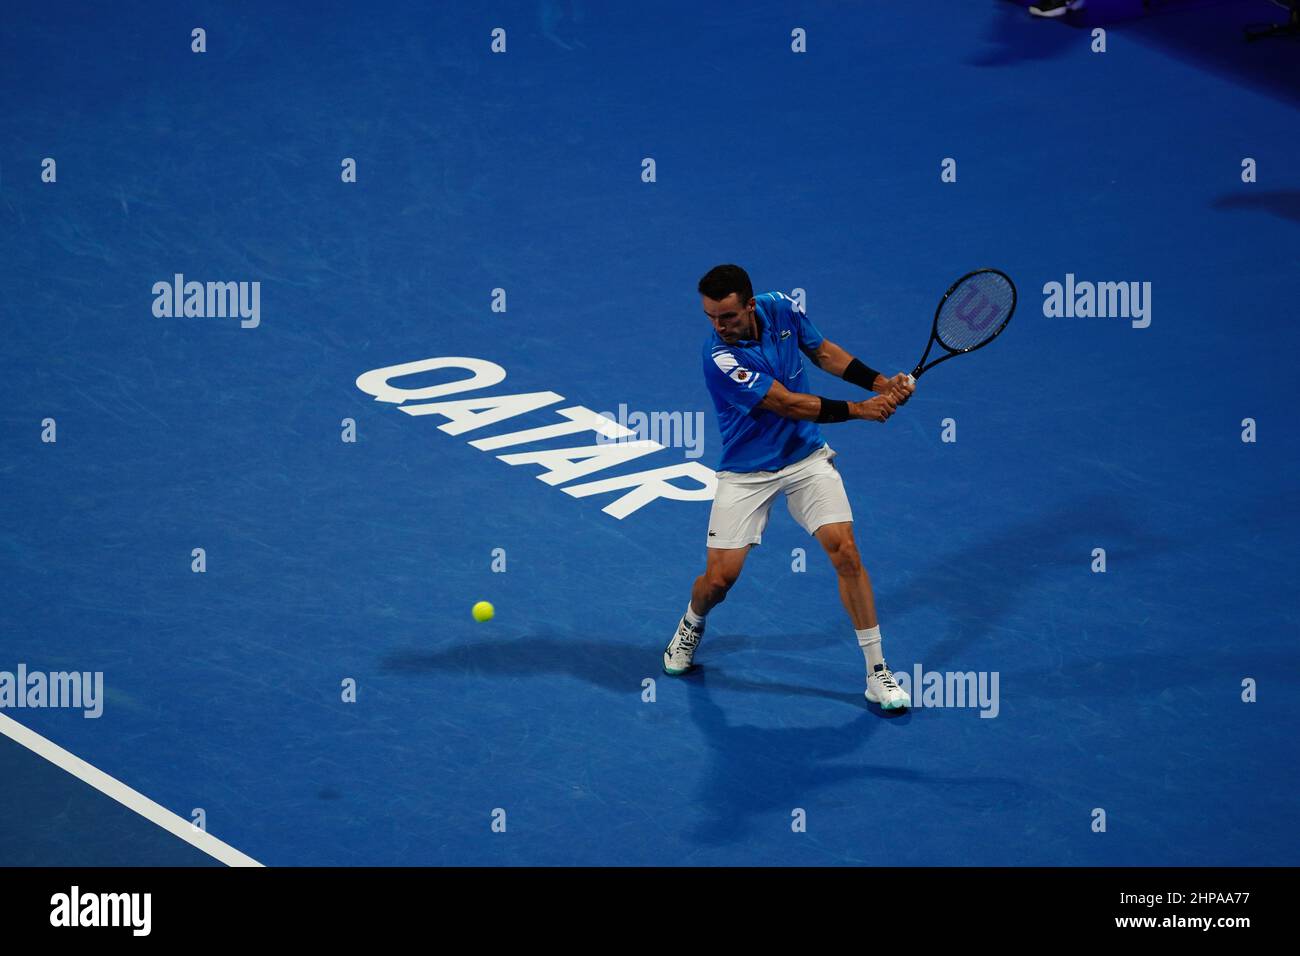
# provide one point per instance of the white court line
(131, 799)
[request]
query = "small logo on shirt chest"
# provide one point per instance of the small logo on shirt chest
(785, 334)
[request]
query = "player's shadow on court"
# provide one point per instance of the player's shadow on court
(1283, 203)
(972, 589)
(608, 665)
(752, 773)
(1150, 679)
(766, 772)
(612, 666)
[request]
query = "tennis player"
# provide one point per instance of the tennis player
(772, 445)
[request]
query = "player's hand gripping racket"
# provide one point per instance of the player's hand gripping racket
(971, 314)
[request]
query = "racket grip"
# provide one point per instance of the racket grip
(911, 380)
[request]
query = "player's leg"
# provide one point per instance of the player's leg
(815, 494)
(817, 500)
(721, 570)
(860, 602)
(741, 506)
(855, 584)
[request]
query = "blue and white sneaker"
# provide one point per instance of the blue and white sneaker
(680, 652)
(882, 689)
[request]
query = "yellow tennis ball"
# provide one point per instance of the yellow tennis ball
(483, 611)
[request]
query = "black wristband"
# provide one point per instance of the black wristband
(859, 374)
(833, 410)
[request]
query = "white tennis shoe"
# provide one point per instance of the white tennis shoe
(882, 689)
(680, 652)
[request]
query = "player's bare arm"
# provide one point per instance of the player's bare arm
(831, 358)
(799, 405)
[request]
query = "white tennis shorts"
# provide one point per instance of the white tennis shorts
(813, 489)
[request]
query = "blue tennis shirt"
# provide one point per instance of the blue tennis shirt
(739, 376)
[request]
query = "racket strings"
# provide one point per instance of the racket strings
(975, 311)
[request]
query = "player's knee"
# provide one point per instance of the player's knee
(849, 565)
(718, 586)
(719, 581)
(844, 556)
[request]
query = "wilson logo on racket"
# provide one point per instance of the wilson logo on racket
(971, 314)
(963, 311)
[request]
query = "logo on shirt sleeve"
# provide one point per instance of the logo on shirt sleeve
(727, 363)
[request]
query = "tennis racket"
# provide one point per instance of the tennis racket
(971, 314)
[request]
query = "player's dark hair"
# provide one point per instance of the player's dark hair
(721, 281)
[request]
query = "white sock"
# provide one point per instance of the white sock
(693, 619)
(869, 641)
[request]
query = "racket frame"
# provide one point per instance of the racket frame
(934, 328)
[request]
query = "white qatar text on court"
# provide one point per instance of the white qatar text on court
(561, 464)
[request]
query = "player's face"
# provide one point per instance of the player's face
(732, 319)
